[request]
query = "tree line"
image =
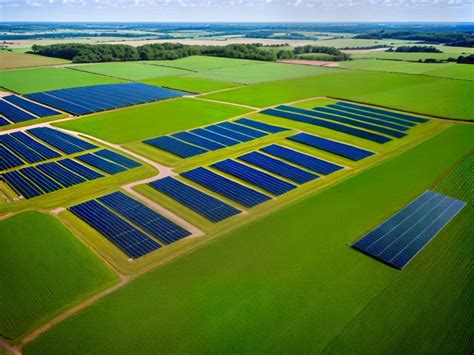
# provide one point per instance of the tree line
(458, 39)
(415, 49)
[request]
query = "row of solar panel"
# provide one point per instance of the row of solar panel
(201, 140)
(118, 217)
(90, 99)
(15, 109)
(48, 177)
(399, 239)
(20, 148)
(286, 163)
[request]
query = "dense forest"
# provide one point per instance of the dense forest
(459, 39)
(88, 53)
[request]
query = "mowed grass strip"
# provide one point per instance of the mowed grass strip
(26, 81)
(286, 283)
(14, 60)
(130, 70)
(43, 274)
(147, 121)
(200, 63)
(261, 72)
(191, 84)
(421, 94)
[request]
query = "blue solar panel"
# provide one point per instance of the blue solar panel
(43, 181)
(21, 184)
(101, 163)
(228, 133)
(191, 138)
(385, 112)
(45, 151)
(62, 141)
(125, 236)
(78, 98)
(13, 113)
(8, 159)
(118, 158)
(340, 107)
(206, 205)
(261, 126)
(71, 139)
(228, 142)
(242, 194)
(256, 177)
(399, 239)
(144, 217)
(341, 149)
(4, 122)
(330, 125)
(278, 167)
(60, 174)
(66, 106)
(34, 108)
(80, 169)
(361, 117)
(304, 160)
(242, 129)
(20, 149)
(318, 113)
(175, 146)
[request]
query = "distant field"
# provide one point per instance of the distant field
(279, 275)
(425, 95)
(354, 42)
(137, 123)
(130, 70)
(403, 56)
(17, 59)
(257, 73)
(43, 274)
(191, 84)
(201, 63)
(26, 81)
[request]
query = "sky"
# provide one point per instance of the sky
(238, 10)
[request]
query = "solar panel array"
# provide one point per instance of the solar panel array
(16, 109)
(198, 141)
(64, 142)
(90, 99)
(399, 239)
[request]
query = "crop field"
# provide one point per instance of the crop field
(130, 71)
(14, 60)
(42, 275)
(191, 84)
(411, 57)
(201, 63)
(26, 81)
(425, 95)
(209, 308)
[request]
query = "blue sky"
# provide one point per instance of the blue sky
(237, 10)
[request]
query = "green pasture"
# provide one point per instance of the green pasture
(281, 284)
(147, 121)
(45, 270)
(257, 73)
(411, 57)
(421, 94)
(355, 42)
(130, 70)
(200, 63)
(191, 84)
(26, 81)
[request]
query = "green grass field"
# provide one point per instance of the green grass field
(191, 84)
(25, 81)
(130, 70)
(43, 274)
(412, 57)
(201, 63)
(16, 59)
(422, 94)
(278, 284)
(146, 121)
(261, 72)
(355, 42)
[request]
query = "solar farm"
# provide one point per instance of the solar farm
(235, 217)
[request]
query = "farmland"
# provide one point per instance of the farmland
(30, 267)
(192, 84)
(14, 60)
(201, 63)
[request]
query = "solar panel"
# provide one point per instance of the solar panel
(118, 158)
(399, 239)
(71, 139)
(45, 151)
(228, 133)
(341, 149)
(278, 167)
(318, 113)
(242, 129)
(20, 149)
(62, 141)
(205, 205)
(80, 169)
(175, 146)
(38, 110)
(21, 184)
(101, 163)
(116, 229)
(4, 121)
(60, 174)
(256, 177)
(8, 159)
(330, 125)
(242, 194)
(13, 113)
(144, 217)
(228, 142)
(304, 160)
(66, 106)
(260, 125)
(197, 140)
(385, 112)
(43, 181)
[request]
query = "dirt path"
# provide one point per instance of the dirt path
(228, 103)
(9, 348)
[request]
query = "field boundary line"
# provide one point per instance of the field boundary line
(228, 103)
(98, 74)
